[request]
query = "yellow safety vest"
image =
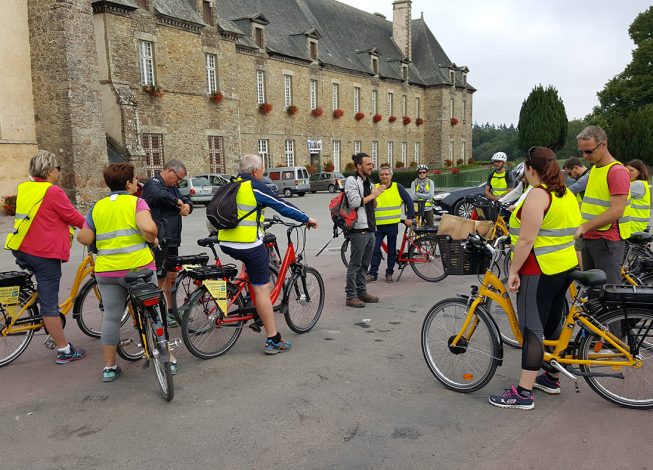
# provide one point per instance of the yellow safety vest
(388, 206)
(640, 210)
(120, 244)
(554, 244)
(28, 201)
(596, 200)
(247, 229)
(499, 183)
(428, 188)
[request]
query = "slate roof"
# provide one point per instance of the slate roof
(180, 9)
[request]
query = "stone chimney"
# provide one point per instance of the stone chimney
(401, 32)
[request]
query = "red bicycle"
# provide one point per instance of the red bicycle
(209, 330)
(419, 249)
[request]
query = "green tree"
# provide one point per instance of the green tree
(632, 136)
(633, 88)
(542, 120)
(571, 143)
(488, 139)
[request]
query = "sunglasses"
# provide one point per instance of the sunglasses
(421, 172)
(529, 157)
(589, 152)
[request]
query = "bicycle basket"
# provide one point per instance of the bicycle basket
(145, 294)
(461, 258)
(13, 278)
(201, 273)
(487, 212)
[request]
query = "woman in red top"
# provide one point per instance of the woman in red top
(47, 244)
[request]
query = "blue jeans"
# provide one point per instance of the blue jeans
(383, 231)
(48, 277)
(361, 245)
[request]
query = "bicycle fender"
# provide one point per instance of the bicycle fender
(494, 325)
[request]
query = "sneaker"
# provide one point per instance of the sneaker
(355, 302)
(109, 375)
(74, 355)
(172, 323)
(371, 278)
(511, 398)
(542, 382)
(388, 279)
(275, 348)
(369, 298)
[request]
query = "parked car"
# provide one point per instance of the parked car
(199, 190)
(268, 182)
(290, 179)
(215, 179)
(327, 181)
(453, 201)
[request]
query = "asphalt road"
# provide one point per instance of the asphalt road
(354, 393)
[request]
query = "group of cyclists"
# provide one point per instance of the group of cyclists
(550, 221)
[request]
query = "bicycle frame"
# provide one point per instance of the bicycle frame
(407, 239)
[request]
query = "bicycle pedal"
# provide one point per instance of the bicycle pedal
(146, 364)
(49, 343)
(577, 386)
(175, 342)
(255, 327)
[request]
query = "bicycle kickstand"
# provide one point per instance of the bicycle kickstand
(401, 271)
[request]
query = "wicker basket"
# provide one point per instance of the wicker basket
(461, 258)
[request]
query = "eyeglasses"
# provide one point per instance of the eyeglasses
(179, 179)
(589, 152)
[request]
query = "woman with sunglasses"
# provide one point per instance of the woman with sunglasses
(640, 196)
(423, 189)
(542, 230)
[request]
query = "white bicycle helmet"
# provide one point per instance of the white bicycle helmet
(499, 157)
(518, 172)
(422, 167)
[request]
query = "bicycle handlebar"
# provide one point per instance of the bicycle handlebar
(276, 220)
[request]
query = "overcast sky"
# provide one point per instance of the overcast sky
(510, 46)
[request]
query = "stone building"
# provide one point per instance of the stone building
(298, 81)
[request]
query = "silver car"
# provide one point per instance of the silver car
(215, 179)
(198, 189)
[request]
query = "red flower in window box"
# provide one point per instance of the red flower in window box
(454, 121)
(376, 118)
(317, 112)
(265, 108)
(437, 172)
(292, 109)
(358, 116)
(216, 97)
(392, 118)
(153, 90)
(454, 170)
(407, 120)
(419, 121)
(337, 113)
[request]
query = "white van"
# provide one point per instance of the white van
(290, 179)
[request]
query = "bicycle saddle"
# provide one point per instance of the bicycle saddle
(589, 278)
(209, 241)
(269, 238)
(640, 238)
(426, 229)
(13, 278)
(144, 275)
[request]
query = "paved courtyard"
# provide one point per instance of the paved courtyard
(354, 393)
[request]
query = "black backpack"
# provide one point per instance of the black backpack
(222, 211)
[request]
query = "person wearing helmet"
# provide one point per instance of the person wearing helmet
(500, 181)
(423, 189)
(515, 196)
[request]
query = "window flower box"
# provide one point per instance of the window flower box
(377, 118)
(454, 121)
(338, 113)
(292, 109)
(153, 90)
(392, 118)
(317, 112)
(216, 97)
(419, 121)
(359, 116)
(407, 120)
(264, 108)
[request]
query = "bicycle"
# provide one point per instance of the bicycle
(210, 329)
(19, 314)
(462, 344)
(146, 307)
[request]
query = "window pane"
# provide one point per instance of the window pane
(153, 146)
(313, 93)
(146, 53)
(260, 86)
(287, 90)
(390, 103)
(375, 99)
(336, 97)
(211, 76)
(357, 97)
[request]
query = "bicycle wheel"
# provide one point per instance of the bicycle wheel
(635, 389)
(426, 261)
(344, 252)
(159, 354)
(130, 347)
(305, 301)
(470, 364)
(184, 288)
(207, 331)
(500, 317)
(13, 345)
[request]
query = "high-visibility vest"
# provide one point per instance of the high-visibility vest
(640, 210)
(499, 183)
(120, 244)
(554, 244)
(29, 197)
(428, 189)
(388, 206)
(247, 229)
(596, 200)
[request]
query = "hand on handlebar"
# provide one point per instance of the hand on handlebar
(312, 223)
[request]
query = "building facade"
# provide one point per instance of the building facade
(298, 81)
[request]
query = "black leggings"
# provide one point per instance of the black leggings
(540, 303)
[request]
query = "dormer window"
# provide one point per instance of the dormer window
(258, 37)
(207, 15)
(312, 50)
(464, 78)
(142, 4)
(375, 65)
(404, 72)
(452, 77)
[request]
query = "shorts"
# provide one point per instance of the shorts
(256, 260)
(165, 260)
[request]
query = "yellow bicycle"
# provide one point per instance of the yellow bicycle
(612, 348)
